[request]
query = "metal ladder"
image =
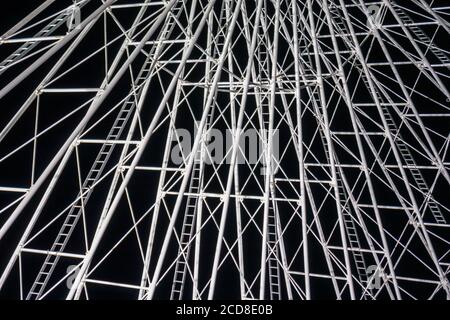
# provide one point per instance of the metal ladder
(30, 45)
(264, 62)
(402, 147)
(170, 22)
(407, 157)
(187, 229)
(272, 241)
(272, 234)
(217, 43)
(222, 32)
(349, 223)
(192, 203)
(93, 176)
(336, 16)
(352, 234)
(406, 19)
(76, 209)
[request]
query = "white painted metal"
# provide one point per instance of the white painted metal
(354, 206)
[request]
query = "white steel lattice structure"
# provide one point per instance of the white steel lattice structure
(347, 198)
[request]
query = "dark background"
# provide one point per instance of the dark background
(11, 12)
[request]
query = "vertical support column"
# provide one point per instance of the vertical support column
(296, 54)
(327, 134)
